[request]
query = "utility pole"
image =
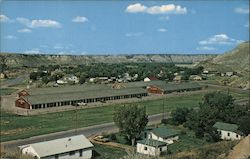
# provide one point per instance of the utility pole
(163, 110)
(76, 122)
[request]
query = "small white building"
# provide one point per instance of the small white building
(75, 147)
(163, 134)
(228, 131)
(146, 79)
(60, 81)
(151, 147)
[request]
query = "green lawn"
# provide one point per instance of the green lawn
(6, 91)
(17, 127)
(107, 152)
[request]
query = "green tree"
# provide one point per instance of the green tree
(82, 79)
(131, 121)
(33, 76)
(216, 106)
(179, 116)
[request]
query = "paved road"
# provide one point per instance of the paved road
(87, 131)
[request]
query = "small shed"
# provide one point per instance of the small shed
(228, 131)
(151, 147)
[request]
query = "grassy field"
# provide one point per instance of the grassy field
(17, 127)
(6, 91)
(107, 152)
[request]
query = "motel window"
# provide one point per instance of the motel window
(237, 136)
(71, 153)
(145, 148)
(56, 156)
(160, 149)
(228, 134)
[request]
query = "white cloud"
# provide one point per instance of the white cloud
(33, 51)
(25, 30)
(135, 8)
(205, 48)
(39, 23)
(4, 18)
(10, 37)
(133, 34)
(163, 9)
(162, 30)
(79, 19)
(242, 10)
(220, 39)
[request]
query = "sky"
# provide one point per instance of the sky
(123, 27)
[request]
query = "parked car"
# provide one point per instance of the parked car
(101, 138)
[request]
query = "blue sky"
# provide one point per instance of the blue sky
(123, 27)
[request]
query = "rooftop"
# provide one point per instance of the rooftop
(70, 96)
(52, 147)
(226, 126)
(151, 142)
(164, 132)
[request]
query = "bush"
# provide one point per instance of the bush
(164, 121)
(112, 137)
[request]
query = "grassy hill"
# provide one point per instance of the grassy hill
(237, 60)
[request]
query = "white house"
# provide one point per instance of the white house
(151, 147)
(228, 131)
(146, 79)
(75, 147)
(163, 134)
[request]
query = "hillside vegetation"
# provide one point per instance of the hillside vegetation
(19, 60)
(236, 60)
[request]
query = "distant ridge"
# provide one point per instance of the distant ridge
(20, 60)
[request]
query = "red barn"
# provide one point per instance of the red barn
(21, 103)
(23, 93)
(155, 90)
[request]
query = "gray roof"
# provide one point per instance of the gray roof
(58, 146)
(164, 132)
(71, 96)
(226, 126)
(67, 89)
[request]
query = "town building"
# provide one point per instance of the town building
(75, 147)
(151, 147)
(228, 131)
(40, 98)
(156, 140)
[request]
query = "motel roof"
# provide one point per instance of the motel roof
(151, 142)
(71, 96)
(226, 126)
(164, 132)
(58, 146)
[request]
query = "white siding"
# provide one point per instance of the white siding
(228, 135)
(31, 151)
(150, 150)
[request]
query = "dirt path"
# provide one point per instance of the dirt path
(241, 150)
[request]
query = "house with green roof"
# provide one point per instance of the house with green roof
(228, 131)
(163, 134)
(151, 147)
